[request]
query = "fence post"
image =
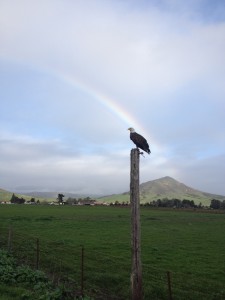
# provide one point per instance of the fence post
(82, 272)
(136, 274)
(10, 239)
(37, 253)
(169, 285)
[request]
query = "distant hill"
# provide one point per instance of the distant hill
(54, 195)
(5, 196)
(161, 188)
(165, 187)
(42, 196)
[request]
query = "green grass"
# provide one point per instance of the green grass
(188, 244)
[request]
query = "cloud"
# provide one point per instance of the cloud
(204, 174)
(134, 49)
(162, 62)
(51, 165)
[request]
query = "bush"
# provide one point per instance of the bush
(36, 282)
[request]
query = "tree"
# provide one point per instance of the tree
(177, 203)
(13, 198)
(17, 200)
(188, 203)
(222, 205)
(71, 201)
(60, 198)
(215, 204)
(200, 205)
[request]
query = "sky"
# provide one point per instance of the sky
(74, 75)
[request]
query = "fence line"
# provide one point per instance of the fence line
(76, 267)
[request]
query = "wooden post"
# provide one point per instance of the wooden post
(10, 239)
(169, 285)
(136, 274)
(82, 272)
(37, 253)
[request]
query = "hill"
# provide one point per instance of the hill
(54, 195)
(161, 188)
(5, 196)
(166, 187)
(42, 196)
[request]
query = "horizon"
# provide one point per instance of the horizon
(104, 195)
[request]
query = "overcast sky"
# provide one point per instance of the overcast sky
(74, 75)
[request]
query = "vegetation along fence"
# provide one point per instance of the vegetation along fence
(103, 276)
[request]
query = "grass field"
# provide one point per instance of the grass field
(188, 244)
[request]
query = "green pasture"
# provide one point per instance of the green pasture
(189, 244)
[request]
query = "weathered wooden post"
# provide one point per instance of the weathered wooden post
(169, 285)
(82, 272)
(37, 254)
(10, 239)
(136, 274)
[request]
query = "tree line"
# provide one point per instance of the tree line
(165, 202)
(176, 203)
(171, 203)
(17, 200)
(84, 201)
(217, 204)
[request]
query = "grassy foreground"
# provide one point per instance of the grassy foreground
(188, 244)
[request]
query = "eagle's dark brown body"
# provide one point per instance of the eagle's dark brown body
(139, 141)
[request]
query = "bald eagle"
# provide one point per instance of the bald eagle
(139, 140)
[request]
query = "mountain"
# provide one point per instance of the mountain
(161, 188)
(166, 187)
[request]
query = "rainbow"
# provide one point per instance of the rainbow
(110, 104)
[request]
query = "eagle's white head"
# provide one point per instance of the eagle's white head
(131, 129)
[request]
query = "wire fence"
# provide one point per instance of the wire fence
(104, 276)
